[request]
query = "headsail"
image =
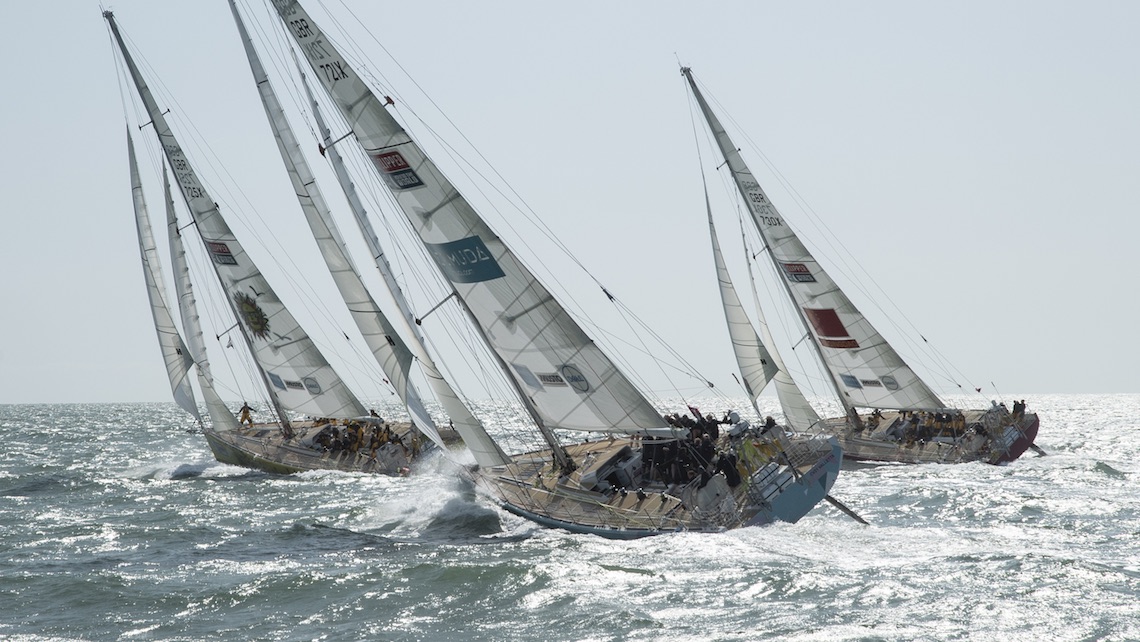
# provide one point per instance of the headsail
(798, 413)
(385, 343)
(297, 375)
(757, 366)
(866, 370)
(569, 382)
(174, 351)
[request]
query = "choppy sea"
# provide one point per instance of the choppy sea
(117, 524)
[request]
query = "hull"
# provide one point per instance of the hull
(990, 436)
(616, 493)
(263, 447)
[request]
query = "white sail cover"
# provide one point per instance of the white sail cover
(866, 369)
(174, 351)
(298, 375)
(571, 383)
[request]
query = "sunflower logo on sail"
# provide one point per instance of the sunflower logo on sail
(255, 319)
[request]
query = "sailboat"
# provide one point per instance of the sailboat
(339, 433)
(649, 474)
(891, 414)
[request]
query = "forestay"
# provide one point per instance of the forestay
(297, 374)
(868, 371)
(569, 381)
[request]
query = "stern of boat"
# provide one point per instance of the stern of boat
(793, 500)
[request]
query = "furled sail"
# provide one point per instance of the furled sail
(174, 351)
(296, 373)
(569, 381)
(866, 369)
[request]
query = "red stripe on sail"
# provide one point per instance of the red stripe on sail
(827, 324)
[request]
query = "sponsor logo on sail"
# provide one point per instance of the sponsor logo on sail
(575, 378)
(221, 253)
(251, 313)
(294, 385)
(829, 329)
(466, 260)
(311, 385)
(797, 273)
(850, 382)
(871, 383)
(397, 171)
(889, 382)
(551, 379)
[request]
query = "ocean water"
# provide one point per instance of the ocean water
(117, 524)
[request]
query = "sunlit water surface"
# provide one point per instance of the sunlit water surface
(116, 523)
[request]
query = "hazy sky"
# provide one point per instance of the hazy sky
(979, 159)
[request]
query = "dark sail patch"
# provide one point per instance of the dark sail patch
(466, 260)
(397, 171)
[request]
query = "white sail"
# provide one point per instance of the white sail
(867, 371)
(297, 374)
(221, 417)
(383, 340)
(568, 381)
(757, 366)
(184, 290)
(486, 452)
(798, 413)
(174, 351)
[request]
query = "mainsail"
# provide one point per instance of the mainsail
(566, 379)
(865, 369)
(296, 374)
(174, 351)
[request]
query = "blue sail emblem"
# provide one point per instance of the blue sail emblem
(466, 260)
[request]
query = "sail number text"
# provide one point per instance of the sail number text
(183, 173)
(757, 200)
